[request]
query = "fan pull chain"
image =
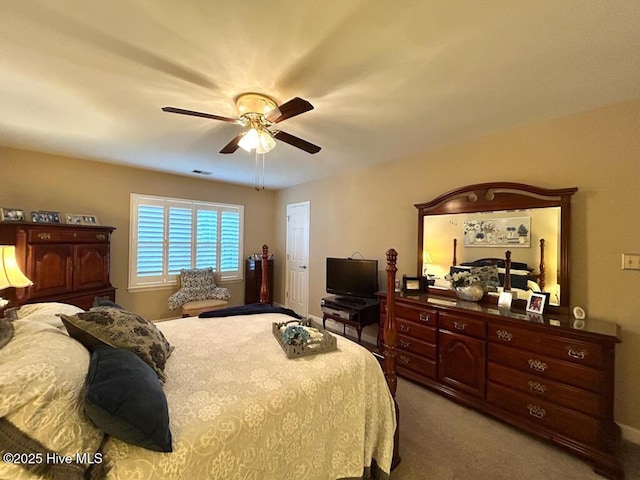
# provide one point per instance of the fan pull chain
(259, 172)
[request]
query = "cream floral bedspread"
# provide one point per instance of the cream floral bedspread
(240, 409)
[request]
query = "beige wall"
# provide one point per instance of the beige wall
(35, 181)
(371, 210)
(597, 151)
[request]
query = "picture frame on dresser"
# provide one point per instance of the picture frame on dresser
(411, 284)
(89, 219)
(73, 218)
(11, 214)
(45, 216)
(535, 303)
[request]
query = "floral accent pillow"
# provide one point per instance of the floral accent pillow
(120, 329)
(488, 276)
(197, 284)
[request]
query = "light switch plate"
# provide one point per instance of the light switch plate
(631, 261)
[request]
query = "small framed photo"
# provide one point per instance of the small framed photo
(43, 216)
(89, 219)
(536, 301)
(11, 215)
(73, 218)
(411, 284)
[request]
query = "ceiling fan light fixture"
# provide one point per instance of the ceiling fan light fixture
(249, 140)
(266, 142)
(259, 140)
(255, 103)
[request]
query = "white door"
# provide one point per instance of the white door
(297, 284)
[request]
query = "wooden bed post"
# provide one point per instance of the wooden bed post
(455, 245)
(542, 265)
(389, 340)
(389, 336)
(264, 285)
(507, 271)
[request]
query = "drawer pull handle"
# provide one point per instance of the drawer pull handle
(404, 343)
(101, 236)
(537, 387)
(537, 365)
(504, 335)
(460, 325)
(404, 328)
(44, 236)
(425, 317)
(404, 360)
(536, 411)
(577, 353)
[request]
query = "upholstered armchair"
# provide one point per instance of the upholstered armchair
(198, 292)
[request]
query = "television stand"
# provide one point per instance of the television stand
(352, 311)
(350, 300)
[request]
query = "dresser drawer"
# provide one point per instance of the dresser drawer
(464, 325)
(423, 316)
(411, 329)
(575, 398)
(412, 345)
(539, 412)
(53, 235)
(554, 346)
(416, 363)
(546, 367)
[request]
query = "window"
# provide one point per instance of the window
(168, 234)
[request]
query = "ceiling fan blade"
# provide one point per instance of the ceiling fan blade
(199, 114)
(232, 146)
(289, 109)
(296, 142)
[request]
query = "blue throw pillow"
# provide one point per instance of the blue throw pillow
(125, 399)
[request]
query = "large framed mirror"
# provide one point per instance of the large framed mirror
(478, 223)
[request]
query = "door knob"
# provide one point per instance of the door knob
(303, 266)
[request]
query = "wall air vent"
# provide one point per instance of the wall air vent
(201, 172)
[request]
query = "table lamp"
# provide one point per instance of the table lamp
(10, 273)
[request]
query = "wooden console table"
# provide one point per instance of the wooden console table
(549, 375)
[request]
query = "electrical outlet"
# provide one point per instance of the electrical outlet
(631, 261)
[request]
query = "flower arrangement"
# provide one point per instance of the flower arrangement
(461, 279)
(296, 335)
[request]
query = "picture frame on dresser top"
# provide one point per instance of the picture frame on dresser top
(45, 216)
(535, 303)
(11, 214)
(89, 219)
(412, 284)
(73, 219)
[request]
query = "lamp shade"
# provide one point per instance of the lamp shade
(10, 273)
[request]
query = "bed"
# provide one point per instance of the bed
(231, 405)
(500, 274)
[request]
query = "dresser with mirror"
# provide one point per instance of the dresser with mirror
(548, 373)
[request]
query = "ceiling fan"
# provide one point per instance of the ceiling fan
(260, 113)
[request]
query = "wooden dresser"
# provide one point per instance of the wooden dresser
(549, 375)
(66, 263)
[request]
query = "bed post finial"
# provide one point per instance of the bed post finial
(264, 284)
(389, 327)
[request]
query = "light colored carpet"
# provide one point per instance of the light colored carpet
(441, 440)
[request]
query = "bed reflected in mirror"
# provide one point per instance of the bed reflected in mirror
(485, 235)
(473, 227)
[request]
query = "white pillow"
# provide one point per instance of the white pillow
(45, 312)
(42, 375)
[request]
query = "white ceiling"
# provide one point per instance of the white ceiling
(387, 79)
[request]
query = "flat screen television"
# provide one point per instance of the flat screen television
(352, 277)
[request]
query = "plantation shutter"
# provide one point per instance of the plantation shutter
(229, 244)
(168, 235)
